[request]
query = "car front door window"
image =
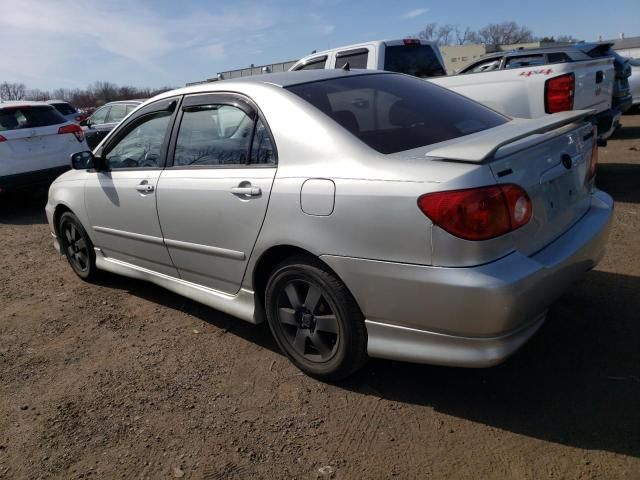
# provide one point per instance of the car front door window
(141, 145)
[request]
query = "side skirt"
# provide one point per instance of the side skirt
(240, 305)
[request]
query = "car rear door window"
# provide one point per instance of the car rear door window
(117, 113)
(488, 65)
(27, 116)
(64, 108)
(213, 135)
(100, 115)
(262, 151)
(317, 63)
(525, 61)
(558, 57)
(392, 113)
(139, 146)
(417, 60)
(356, 58)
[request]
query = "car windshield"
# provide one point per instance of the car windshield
(417, 60)
(392, 113)
(14, 118)
(64, 108)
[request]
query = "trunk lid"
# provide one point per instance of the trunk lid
(549, 157)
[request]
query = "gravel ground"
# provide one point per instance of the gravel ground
(123, 379)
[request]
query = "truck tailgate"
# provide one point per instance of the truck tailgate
(520, 92)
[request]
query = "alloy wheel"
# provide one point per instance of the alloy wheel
(76, 247)
(308, 321)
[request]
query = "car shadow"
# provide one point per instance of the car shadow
(577, 382)
(23, 208)
(620, 180)
(626, 133)
(257, 334)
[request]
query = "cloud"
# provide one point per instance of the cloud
(214, 51)
(325, 29)
(415, 13)
(67, 40)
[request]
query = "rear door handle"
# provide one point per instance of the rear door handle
(248, 191)
(145, 187)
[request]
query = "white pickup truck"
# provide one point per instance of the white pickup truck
(528, 87)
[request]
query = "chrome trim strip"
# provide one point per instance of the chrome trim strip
(130, 235)
(206, 249)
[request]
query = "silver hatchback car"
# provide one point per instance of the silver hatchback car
(360, 213)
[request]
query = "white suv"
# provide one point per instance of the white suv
(35, 144)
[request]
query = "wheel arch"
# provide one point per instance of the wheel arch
(60, 209)
(267, 262)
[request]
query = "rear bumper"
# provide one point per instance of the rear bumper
(472, 316)
(606, 123)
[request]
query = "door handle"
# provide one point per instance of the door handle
(145, 187)
(599, 76)
(249, 191)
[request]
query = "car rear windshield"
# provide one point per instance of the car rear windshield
(417, 60)
(64, 108)
(14, 118)
(392, 113)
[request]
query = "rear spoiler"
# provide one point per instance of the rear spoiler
(481, 146)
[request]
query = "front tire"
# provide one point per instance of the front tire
(77, 247)
(315, 320)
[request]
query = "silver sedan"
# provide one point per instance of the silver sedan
(361, 214)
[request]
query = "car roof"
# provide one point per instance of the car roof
(283, 79)
(53, 102)
(137, 101)
(22, 103)
(582, 47)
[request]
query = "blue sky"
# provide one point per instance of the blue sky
(72, 43)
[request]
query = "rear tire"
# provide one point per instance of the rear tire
(77, 247)
(315, 320)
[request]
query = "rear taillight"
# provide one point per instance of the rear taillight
(593, 163)
(411, 41)
(478, 213)
(2, 139)
(75, 129)
(558, 93)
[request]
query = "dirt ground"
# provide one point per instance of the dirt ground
(126, 380)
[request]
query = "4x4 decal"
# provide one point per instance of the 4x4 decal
(544, 71)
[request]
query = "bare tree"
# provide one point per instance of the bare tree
(505, 33)
(445, 34)
(566, 38)
(12, 91)
(37, 95)
(466, 36)
(428, 32)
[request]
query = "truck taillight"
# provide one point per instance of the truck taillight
(478, 213)
(75, 129)
(593, 163)
(411, 41)
(2, 139)
(558, 93)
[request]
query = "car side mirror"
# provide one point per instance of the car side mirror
(87, 161)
